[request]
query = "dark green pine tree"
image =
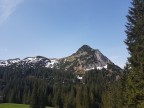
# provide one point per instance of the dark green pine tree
(34, 98)
(135, 41)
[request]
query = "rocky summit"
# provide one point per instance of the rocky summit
(84, 59)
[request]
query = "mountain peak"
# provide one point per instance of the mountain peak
(86, 48)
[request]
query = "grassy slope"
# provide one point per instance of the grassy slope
(10, 105)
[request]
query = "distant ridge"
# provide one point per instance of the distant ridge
(84, 59)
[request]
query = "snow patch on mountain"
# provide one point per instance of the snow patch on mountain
(88, 69)
(100, 68)
(14, 60)
(32, 59)
(80, 78)
(4, 63)
(51, 64)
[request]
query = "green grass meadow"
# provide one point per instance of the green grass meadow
(11, 105)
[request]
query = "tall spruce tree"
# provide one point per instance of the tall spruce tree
(34, 98)
(135, 41)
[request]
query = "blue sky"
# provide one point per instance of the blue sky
(57, 28)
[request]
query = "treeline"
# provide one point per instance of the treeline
(42, 87)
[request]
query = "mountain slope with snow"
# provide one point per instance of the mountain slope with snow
(85, 59)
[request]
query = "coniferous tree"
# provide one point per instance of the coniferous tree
(34, 98)
(79, 98)
(135, 42)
